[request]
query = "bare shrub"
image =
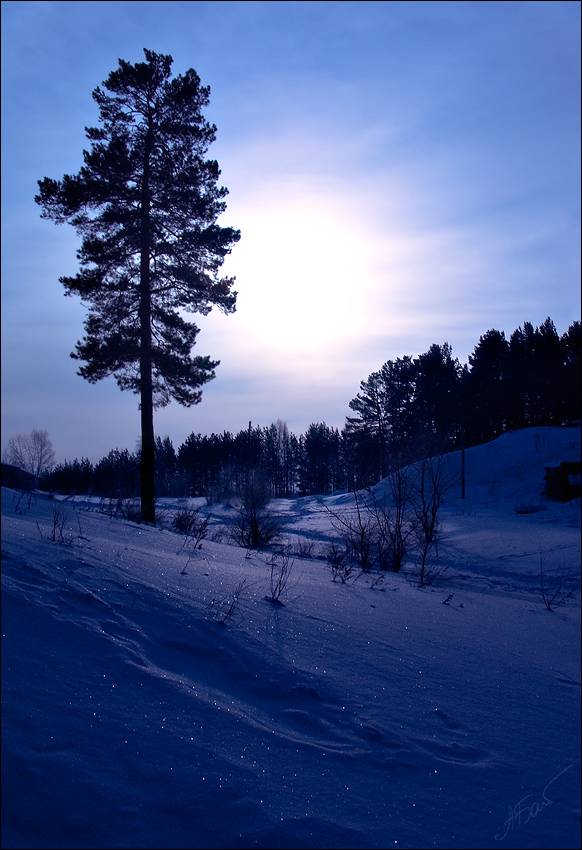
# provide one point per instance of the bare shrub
(360, 536)
(218, 535)
(430, 573)
(335, 554)
(255, 528)
(194, 527)
(223, 610)
(107, 506)
(60, 518)
(120, 507)
(128, 509)
(339, 561)
(396, 524)
(81, 536)
(303, 548)
(428, 488)
(281, 566)
(557, 589)
(356, 530)
(393, 527)
(24, 495)
(57, 532)
(255, 524)
(189, 522)
(376, 533)
(380, 532)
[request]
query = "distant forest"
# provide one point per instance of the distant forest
(411, 407)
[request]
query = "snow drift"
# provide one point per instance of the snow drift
(153, 697)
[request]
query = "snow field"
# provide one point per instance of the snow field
(367, 714)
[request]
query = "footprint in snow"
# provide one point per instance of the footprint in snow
(452, 724)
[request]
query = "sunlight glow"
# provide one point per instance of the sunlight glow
(301, 271)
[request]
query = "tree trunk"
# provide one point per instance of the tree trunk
(147, 463)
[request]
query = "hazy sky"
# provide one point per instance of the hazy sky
(403, 173)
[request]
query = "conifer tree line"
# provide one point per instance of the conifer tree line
(409, 408)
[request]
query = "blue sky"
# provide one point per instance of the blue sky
(403, 173)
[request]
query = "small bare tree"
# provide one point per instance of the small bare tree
(372, 533)
(357, 530)
(430, 484)
(394, 526)
(32, 452)
(281, 566)
(57, 532)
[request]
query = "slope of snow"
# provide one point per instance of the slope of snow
(370, 714)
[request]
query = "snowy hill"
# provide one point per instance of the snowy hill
(150, 699)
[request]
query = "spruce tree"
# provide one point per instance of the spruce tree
(145, 203)
(488, 401)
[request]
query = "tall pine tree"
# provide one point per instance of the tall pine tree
(146, 203)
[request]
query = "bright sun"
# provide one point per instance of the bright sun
(301, 271)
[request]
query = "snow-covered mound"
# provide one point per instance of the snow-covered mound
(150, 698)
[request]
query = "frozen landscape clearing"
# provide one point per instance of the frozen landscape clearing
(365, 714)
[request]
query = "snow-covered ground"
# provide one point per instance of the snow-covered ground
(365, 714)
